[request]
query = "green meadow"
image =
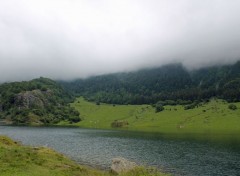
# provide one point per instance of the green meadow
(213, 117)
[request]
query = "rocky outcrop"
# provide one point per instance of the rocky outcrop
(36, 102)
(120, 165)
(29, 99)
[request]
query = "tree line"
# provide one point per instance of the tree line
(169, 83)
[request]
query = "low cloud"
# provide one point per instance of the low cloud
(67, 39)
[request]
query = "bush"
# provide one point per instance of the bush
(170, 102)
(159, 108)
(232, 107)
(160, 102)
(191, 106)
(167, 102)
(187, 107)
(74, 119)
(38, 112)
(43, 89)
(184, 102)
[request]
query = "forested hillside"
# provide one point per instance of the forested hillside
(40, 101)
(172, 84)
(43, 101)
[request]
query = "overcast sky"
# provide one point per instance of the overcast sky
(66, 39)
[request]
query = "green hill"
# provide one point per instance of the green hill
(214, 117)
(36, 102)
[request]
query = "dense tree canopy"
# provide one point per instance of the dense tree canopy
(170, 82)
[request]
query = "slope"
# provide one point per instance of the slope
(212, 117)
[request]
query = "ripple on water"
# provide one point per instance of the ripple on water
(179, 156)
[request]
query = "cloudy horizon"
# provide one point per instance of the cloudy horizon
(67, 39)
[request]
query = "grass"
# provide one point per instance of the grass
(19, 160)
(213, 117)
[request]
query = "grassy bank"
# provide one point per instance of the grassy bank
(19, 160)
(213, 117)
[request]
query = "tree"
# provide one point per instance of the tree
(232, 106)
(159, 108)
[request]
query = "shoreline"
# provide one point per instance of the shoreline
(88, 153)
(23, 159)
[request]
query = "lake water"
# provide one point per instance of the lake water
(179, 155)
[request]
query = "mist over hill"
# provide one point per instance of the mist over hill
(44, 101)
(77, 39)
(169, 82)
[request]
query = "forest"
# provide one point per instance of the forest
(45, 101)
(170, 84)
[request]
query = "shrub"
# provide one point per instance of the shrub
(38, 112)
(184, 102)
(232, 106)
(74, 119)
(191, 106)
(159, 108)
(170, 102)
(160, 102)
(43, 89)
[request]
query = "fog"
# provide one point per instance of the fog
(67, 39)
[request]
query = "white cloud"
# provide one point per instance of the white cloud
(65, 39)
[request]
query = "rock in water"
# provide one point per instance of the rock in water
(120, 165)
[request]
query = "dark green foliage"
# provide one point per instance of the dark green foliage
(232, 107)
(184, 102)
(172, 84)
(38, 101)
(170, 102)
(159, 108)
(43, 88)
(191, 106)
(74, 119)
(38, 112)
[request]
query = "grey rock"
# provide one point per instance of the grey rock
(120, 165)
(30, 99)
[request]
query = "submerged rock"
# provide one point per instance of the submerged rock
(120, 165)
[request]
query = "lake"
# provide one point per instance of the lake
(189, 155)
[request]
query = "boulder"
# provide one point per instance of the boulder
(120, 165)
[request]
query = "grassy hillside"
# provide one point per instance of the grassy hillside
(212, 117)
(18, 160)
